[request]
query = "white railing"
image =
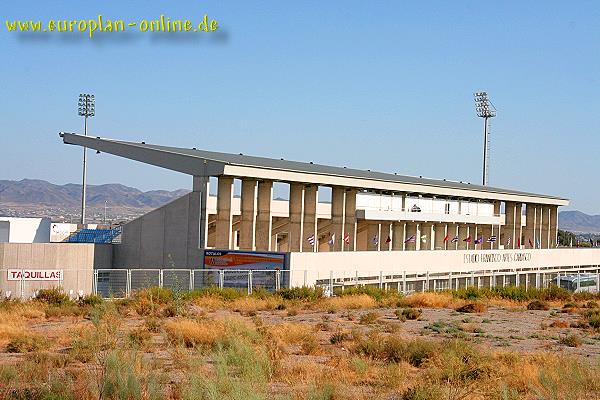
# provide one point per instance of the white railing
(121, 283)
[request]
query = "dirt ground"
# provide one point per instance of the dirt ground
(514, 329)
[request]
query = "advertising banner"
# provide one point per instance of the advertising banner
(236, 264)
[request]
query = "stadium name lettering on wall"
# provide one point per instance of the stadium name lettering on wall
(496, 258)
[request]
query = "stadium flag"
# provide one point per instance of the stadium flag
(518, 243)
(347, 238)
(411, 239)
(388, 240)
(424, 238)
(538, 242)
(492, 239)
(446, 238)
(508, 242)
(311, 240)
(530, 244)
(375, 240)
(467, 239)
(455, 239)
(479, 241)
(332, 240)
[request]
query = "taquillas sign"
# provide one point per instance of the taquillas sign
(35, 274)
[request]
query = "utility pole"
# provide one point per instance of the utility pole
(486, 110)
(86, 110)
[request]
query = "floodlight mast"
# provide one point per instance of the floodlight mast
(486, 110)
(86, 109)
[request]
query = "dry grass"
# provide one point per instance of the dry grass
(428, 300)
(223, 354)
(335, 304)
(194, 333)
(250, 305)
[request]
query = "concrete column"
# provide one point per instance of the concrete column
(296, 215)
(200, 232)
(545, 227)
(529, 231)
(338, 201)
(553, 226)
(510, 213)
(411, 230)
(398, 235)
(264, 222)
(540, 223)
(350, 219)
(311, 193)
(518, 222)
(372, 232)
(432, 237)
(223, 238)
(248, 217)
(440, 233)
(476, 234)
(496, 230)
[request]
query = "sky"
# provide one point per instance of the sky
(380, 85)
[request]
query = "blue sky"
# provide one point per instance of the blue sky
(380, 85)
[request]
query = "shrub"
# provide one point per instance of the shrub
(301, 293)
(379, 295)
(139, 336)
(24, 343)
(339, 337)
(571, 340)
(409, 313)
(559, 324)
(514, 293)
(472, 308)
(90, 300)
(591, 304)
(368, 318)
(53, 296)
(538, 305)
(395, 349)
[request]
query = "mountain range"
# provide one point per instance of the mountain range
(39, 192)
(578, 222)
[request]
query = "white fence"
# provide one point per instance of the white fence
(121, 283)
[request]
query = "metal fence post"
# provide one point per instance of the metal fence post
(493, 280)
(380, 280)
(22, 284)
(221, 279)
(128, 284)
(305, 277)
(558, 279)
(160, 278)
(450, 280)
(427, 279)
(191, 280)
(578, 280)
(250, 282)
(404, 282)
(331, 283)
(277, 279)
(95, 283)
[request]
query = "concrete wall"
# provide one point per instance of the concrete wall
(320, 265)
(76, 260)
(164, 238)
(25, 230)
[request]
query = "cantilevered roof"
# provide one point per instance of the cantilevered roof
(210, 163)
